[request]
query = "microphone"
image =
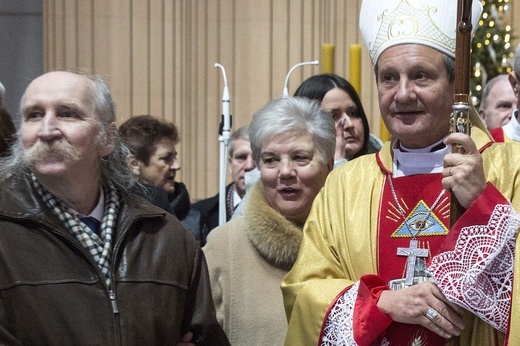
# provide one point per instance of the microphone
(224, 137)
(226, 117)
(285, 90)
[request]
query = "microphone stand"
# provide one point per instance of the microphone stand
(285, 89)
(224, 135)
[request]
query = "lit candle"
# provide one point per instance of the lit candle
(355, 67)
(327, 58)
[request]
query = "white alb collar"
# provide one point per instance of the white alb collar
(512, 128)
(418, 161)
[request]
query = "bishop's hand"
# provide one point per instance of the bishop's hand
(463, 173)
(423, 304)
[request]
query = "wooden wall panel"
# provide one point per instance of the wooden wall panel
(156, 50)
(209, 120)
(120, 73)
(85, 34)
(48, 35)
(168, 58)
(193, 95)
(158, 58)
(70, 33)
(102, 52)
(140, 50)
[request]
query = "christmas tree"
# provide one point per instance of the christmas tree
(491, 51)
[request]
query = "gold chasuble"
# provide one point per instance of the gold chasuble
(362, 225)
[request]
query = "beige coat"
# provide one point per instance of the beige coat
(247, 259)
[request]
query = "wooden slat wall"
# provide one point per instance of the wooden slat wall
(158, 55)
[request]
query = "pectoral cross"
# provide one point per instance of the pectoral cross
(412, 252)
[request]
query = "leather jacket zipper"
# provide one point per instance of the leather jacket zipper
(113, 301)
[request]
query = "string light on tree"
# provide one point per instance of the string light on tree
(491, 51)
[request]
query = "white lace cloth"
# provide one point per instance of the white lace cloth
(478, 273)
(339, 328)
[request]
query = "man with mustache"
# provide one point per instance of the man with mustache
(82, 261)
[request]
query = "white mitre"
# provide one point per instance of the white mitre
(433, 23)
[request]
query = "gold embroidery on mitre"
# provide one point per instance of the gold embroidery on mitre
(410, 24)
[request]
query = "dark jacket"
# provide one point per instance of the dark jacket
(191, 219)
(156, 195)
(209, 210)
(53, 293)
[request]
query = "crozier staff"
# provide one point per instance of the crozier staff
(366, 272)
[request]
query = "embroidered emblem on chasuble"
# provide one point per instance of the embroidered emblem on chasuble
(416, 222)
(416, 194)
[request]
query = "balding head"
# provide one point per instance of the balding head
(498, 102)
(69, 117)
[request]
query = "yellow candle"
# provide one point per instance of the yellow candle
(384, 135)
(327, 58)
(355, 67)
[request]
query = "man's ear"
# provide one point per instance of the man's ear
(481, 113)
(514, 83)
(229, 164)
(110, 137)
(133, 163)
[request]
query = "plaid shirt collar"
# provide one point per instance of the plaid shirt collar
(99, 247)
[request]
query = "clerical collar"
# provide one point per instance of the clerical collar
(97, 212)
(512, 128)
(419, 161)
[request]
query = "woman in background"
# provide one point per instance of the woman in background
(293, 141)
(353, 138)
(153, 158)
(337, 96)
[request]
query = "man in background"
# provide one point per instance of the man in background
(498, 102)
(240, 161)
(510, 130)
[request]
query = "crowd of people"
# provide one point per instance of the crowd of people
(331, 236)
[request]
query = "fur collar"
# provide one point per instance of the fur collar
(274, 237)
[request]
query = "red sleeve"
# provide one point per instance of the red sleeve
(369, 321)
(477, 214)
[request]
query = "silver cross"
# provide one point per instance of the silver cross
(412, 252)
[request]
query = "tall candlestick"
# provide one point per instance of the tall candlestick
(327, 58)
(355, 67)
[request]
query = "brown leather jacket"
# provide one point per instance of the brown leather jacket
(52, 292)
